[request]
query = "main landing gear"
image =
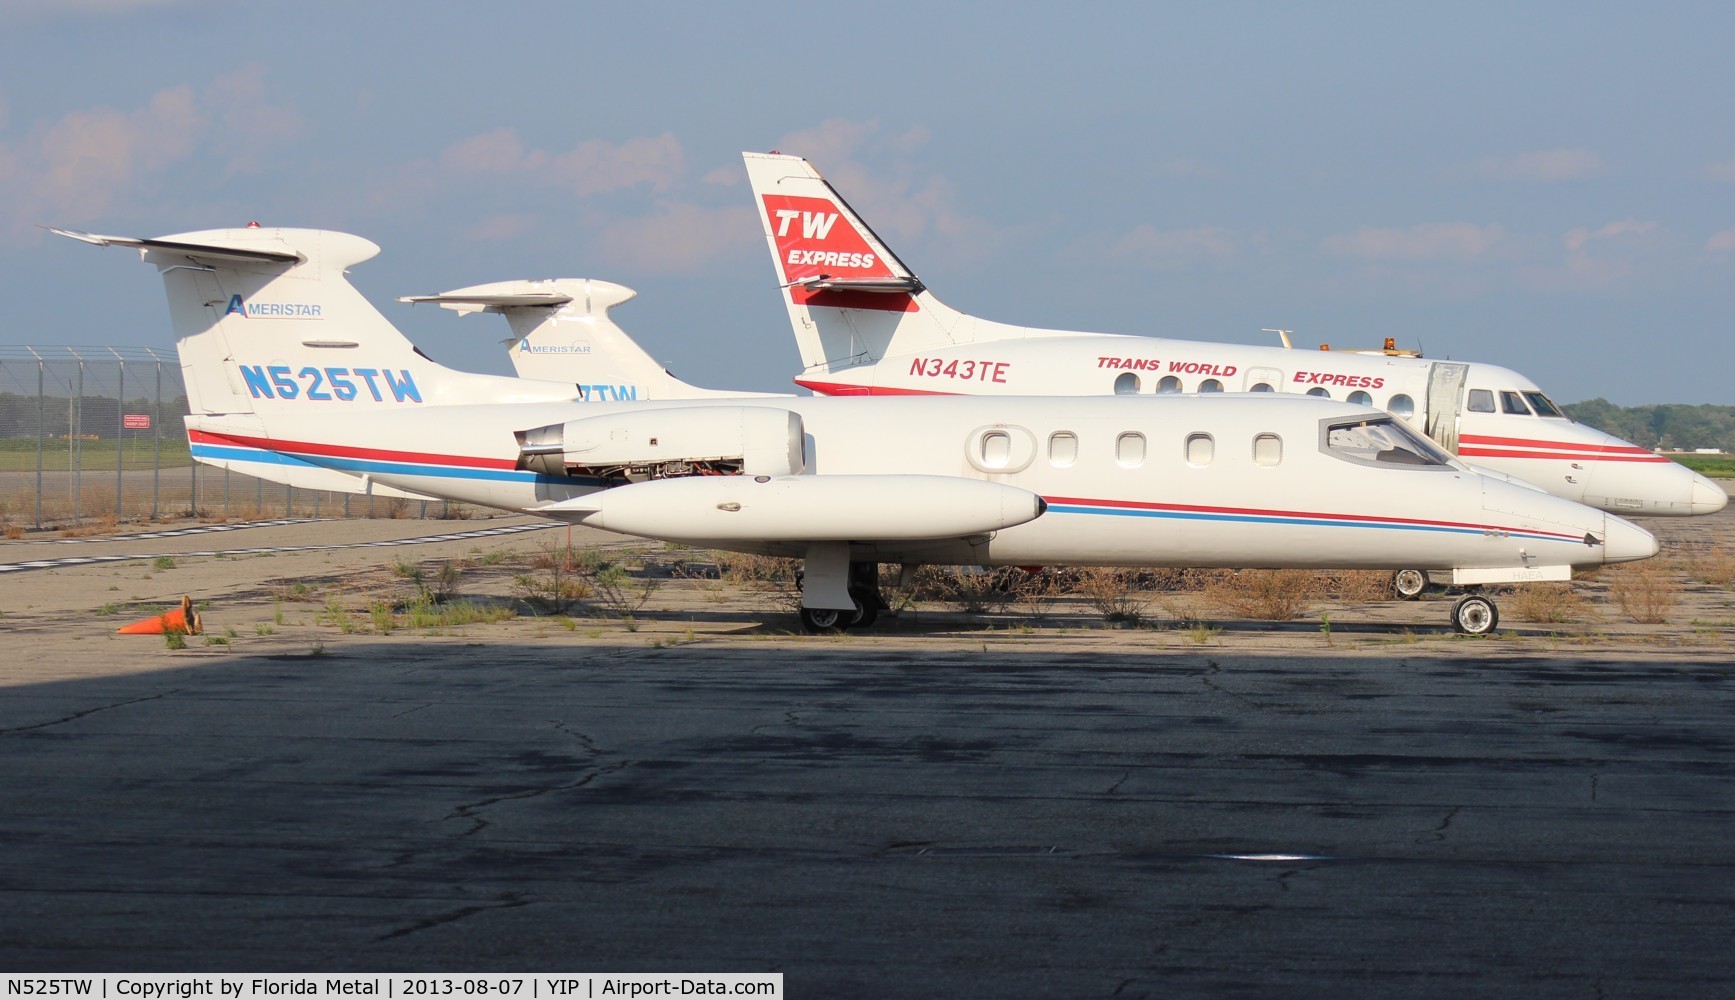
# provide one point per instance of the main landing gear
(863, 585)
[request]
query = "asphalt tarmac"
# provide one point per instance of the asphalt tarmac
(931, 812)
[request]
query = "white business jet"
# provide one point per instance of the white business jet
(866, 325)
(562, 332)
(293, 376)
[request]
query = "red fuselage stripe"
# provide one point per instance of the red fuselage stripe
(344, 451)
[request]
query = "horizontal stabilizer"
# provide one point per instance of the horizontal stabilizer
(892, 284)
(193, 251)
(865, 508)
(464, 305)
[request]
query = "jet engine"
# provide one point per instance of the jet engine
(668, 443)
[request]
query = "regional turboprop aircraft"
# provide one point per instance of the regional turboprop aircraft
(866, 325)
(293, 376)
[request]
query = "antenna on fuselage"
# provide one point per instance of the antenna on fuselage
(1282, 335)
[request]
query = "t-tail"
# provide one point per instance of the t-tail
(270, 332)
(562, 332)
(851, 300)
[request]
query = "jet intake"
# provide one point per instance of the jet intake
(669, 443)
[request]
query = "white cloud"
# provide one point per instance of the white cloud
(1721, 242)
(1544, 165)
(15, 11)
(502, 228)
(592, 167)
(1153, 247)
(1460, 242)
(682, 238)
(1577, 239)
(1723, 171)
(80, 164)
(250, 122)
(91, 161)
(1601, 260)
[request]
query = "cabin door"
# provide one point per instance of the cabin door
(1445, 402)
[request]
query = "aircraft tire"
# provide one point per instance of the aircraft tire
(1475, 615)
(867, 612)
(819, 620)
(1409, 584)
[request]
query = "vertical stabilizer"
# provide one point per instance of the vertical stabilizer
(266, 321)
(851, 300)
(562, 331)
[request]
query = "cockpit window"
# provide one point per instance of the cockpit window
(1543, 406)
(1384, 441)
(1481, 401)
(1512, 402)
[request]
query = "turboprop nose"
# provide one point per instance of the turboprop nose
(1624, 541)
(1707, 497)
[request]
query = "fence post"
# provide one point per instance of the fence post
(120, 437)
(75, 440)
(157, 435)
(41, 429)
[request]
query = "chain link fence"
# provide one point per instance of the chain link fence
(94, 434)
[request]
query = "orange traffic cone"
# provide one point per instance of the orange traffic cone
(182, 619)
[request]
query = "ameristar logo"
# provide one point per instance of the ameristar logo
(275, 310)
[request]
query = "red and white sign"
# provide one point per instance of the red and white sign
(136, 421)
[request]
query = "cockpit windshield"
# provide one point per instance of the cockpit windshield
(1384, 441)
(1543, 406)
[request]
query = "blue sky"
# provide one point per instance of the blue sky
(1548, 186)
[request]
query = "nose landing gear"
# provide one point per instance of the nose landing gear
(1475, 615)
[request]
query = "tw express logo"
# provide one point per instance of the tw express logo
(330, 384)
(811, 241)
(275, 310)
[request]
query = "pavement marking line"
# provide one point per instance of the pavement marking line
(455, 536)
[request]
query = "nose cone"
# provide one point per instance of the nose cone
(1707, 497)
(1624, 541)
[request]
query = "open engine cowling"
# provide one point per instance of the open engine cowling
(666, 443)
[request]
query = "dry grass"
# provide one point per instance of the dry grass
(1354, 586)
(1716, 567)
(1646, 594)
(970, 589)
(1114, 593)
(1547, 603)
(1275, 595)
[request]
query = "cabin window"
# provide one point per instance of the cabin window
(1512, 402)
(1481, 401)
(1319, 390)
(1200, 450)
(1383, 441)
(996, 449)
(1402, 405)
(1129, 449)
(1126, 385)
(1543, 406)
(1169, 383)
(1261, 387)
(1062, 449)
(1361, 398)
(1267, 450)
